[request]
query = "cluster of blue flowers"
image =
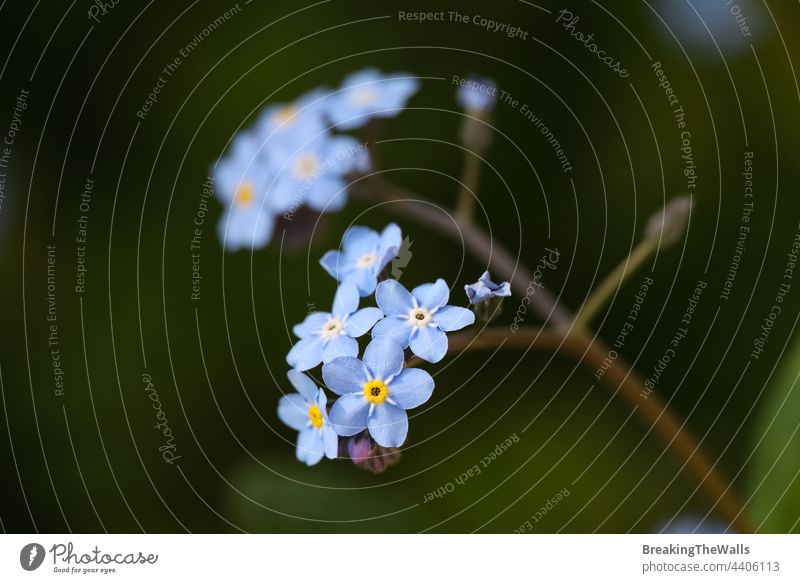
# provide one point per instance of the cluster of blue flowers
(374, 391)
(291, 157)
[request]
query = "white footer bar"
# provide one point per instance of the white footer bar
(399, 558)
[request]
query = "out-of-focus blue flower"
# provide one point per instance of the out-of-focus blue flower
(376, 392)
(367, 94)
(705, 28)
(306, 412)
(363, 256)
(293, 123)
(485, 289)
(419, 319)
(477, 95)
(314, 173)
(241, 181)
(692, 524)
(325, 336)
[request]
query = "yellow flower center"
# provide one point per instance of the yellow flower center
(306, 165)
(376, 391)
(244, 195)
(284, 117)
(419, 317)
(364, 96)
(315, 416)
(332, 328)
(367, 260)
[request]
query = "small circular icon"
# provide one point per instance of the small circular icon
(31, 556)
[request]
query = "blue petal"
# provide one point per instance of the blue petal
(503, 290)
(304, 385)
(347, 154)
(450, 318)
(388, 425)
(393, 298)
(391, 238)
(397, 328)
(432, 295)
(284, 195)
(384, 358)
(359, 241)
(310, 446)
(328, 194)
(411, 388)
(429, 344)
(322, 401)
(333, 263)
(361, 321)
(293, 411)
(313, 322)
(345, 301)
(364, 279)
(341, 345)
(246, 229)
(306, 354)
(367, 75)
(345, 375)
(349, 414)
(397, 91)
(331, 441)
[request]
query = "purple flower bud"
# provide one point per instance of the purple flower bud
(485, 289)
(360, 447)
(367, 454)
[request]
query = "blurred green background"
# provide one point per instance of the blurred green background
(89, 460)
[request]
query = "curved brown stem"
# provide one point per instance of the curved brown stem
(621, 378)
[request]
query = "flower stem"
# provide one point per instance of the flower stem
(609, 286)
(474, 238)
(467, 193)
(559, 334)
(628, 385)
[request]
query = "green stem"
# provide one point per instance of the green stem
(609, 286)
(467, 193)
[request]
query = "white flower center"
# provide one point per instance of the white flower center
(305, 166)
(367, 260)
(419, 317)
(332, 328)
(364, 96)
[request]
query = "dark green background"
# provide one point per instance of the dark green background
(237, 468)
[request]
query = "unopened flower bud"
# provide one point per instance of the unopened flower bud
(368, 455)
(477, 95)
(486, 297)
(670, 222)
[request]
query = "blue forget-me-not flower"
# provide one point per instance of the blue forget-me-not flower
(325, 336)
(314, 173)
(368, 94)
(376, 392)
(419, 319)
(306, 411)
(295, 122)
(242, 181)
(363, 256)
